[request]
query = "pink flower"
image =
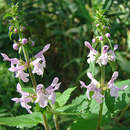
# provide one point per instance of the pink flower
(12, 60)
(15, 67)
(39, 66)
(97, 25)
(47, 94)
(103, 59)
(24, 41)
(24, 100)
(15, 46)
(93, 40)
(15, 30)
(22, 75)
(42, 98)
(107, 35)
(100, 38)
(33, 43)
(114, 89)
(92, 54)
(111, 53)
(40, 54)
(93, 86)
(52, 88)
(40, 63)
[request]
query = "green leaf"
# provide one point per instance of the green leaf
(65, 96)
(74, 106)
(124, 96)
(29, 90)
(28, 120)
(84, 11)
(85, 124)
(94, 108)
(107, 4)
(109, 101)
(122, 83)
(124, 63)
(10, 35)
(93, 69)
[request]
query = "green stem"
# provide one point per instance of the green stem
(102, 86)
(56, 122)
(29, 68)
(45, 122)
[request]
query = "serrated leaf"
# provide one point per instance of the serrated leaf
(65, 96)
(73, 106)
(28, 120)
(94, 107)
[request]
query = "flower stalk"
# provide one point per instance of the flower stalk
(101, 105)
(102, 86)
(45, 122)
(56, 122)
(29, 68)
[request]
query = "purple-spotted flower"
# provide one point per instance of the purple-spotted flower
(40, 63)
(114, 89)
(93, 86)
(17, 68)
(44, 95)
(103, 59)
(24, 100)
(39, 66)
(111, 53)
(92, 54)
(22, 75)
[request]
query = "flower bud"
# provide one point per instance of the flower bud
(15, 46)
(107, 35)
(33, 43)
(97, 25)
(24, 41)
(93, 40)
(15, 30)
(100, 38)
(17, 17)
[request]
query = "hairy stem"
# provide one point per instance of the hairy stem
(45, 122)
(56, 122)
(101, 105)
(29, 68)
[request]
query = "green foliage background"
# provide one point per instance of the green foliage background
(66, 24)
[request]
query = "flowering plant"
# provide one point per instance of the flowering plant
(42, 103)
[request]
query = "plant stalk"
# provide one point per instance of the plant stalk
(56, 122)
(45, 122)
(29, 68)
(101, 105)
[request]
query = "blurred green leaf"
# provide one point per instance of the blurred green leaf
(28, 120)
(124, 63)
